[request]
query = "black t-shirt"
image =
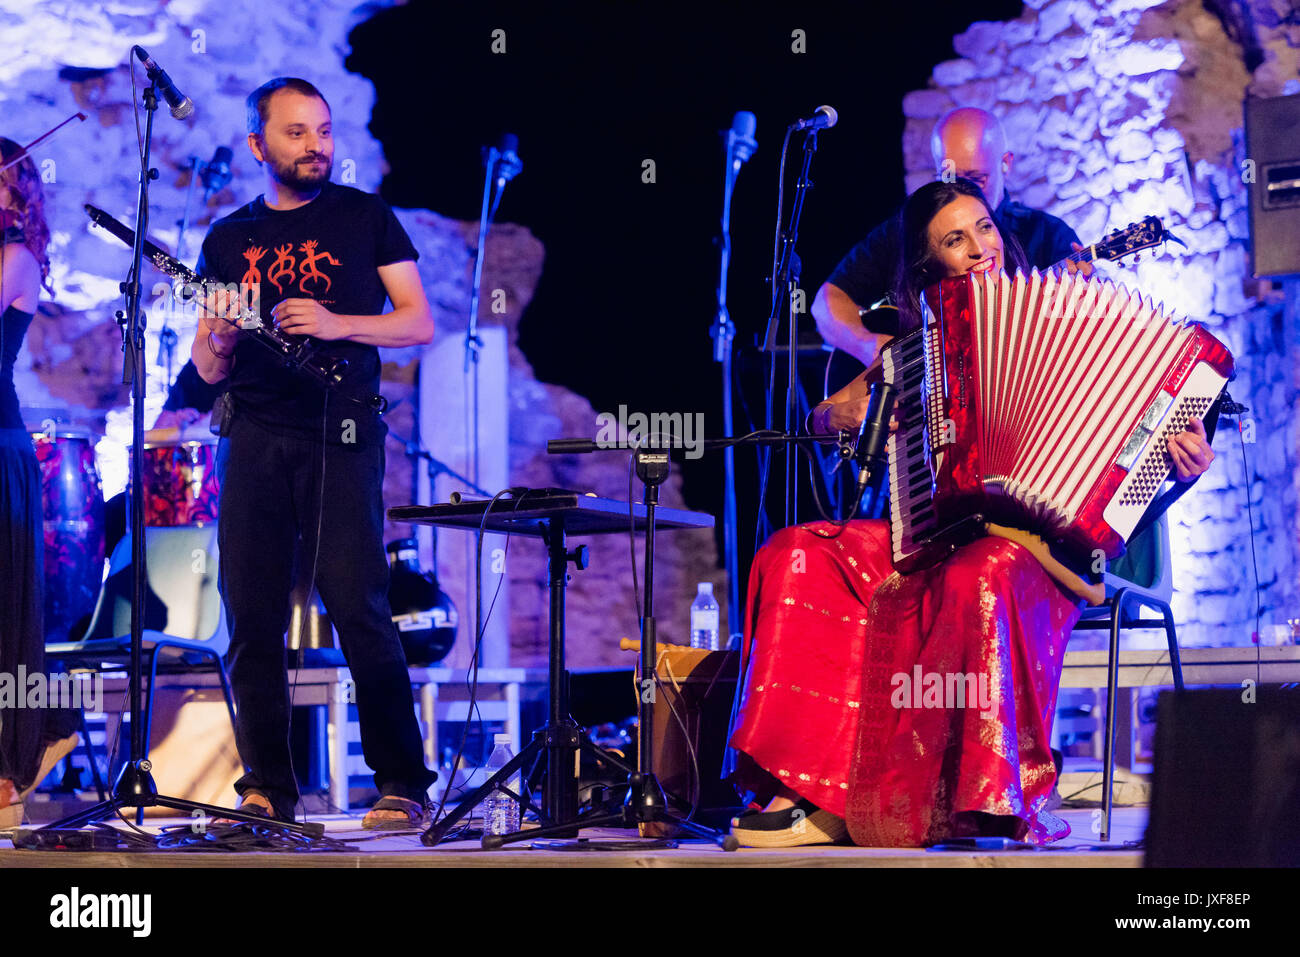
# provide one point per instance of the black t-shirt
(189, 391)
(328, 250)
(868, 272)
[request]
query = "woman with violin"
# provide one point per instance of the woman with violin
(31, 739)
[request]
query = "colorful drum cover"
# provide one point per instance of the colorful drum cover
(180, 482)
(73, 500)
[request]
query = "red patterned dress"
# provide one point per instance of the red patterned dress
(855, 690)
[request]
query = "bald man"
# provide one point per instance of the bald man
(966, 142)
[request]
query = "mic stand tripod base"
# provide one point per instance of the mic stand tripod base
(645, 804)
(560, 745)
(135, 788)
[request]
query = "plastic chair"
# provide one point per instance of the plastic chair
(183, 611)
(1148, 587)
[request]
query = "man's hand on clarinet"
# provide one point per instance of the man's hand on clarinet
(1190, 451)
(307, 317)
(220, 315)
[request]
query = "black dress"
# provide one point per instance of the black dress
(23, 731)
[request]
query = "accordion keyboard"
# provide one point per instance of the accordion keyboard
(912, 514)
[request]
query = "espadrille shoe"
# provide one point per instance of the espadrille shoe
(803, 824)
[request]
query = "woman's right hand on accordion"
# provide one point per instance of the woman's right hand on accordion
(1190, 451)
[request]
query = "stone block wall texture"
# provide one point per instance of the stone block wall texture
(217, 52)
(1120, 109)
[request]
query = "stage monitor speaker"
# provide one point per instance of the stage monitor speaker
(1273, 163)
(1226, 786)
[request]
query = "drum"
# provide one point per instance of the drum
(73, 500)
(180, 482)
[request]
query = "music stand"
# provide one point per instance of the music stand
(553, 515)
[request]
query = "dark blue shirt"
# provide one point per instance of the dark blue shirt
(868, 272)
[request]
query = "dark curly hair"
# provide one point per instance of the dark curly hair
(918, 267)
(28, 208)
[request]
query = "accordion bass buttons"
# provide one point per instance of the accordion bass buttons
(1150, 464)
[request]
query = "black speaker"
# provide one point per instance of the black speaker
(1226, 788)
(1273, 162)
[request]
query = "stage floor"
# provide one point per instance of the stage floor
(403, 849)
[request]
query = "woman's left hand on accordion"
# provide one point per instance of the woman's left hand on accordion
(1190, 451)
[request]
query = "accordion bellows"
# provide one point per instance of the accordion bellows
(1043, 403)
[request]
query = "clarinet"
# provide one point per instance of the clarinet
(295, 352)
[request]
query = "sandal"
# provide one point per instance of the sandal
(12, 800)
(251, 802)
(804, 823)
(416, 814)
(11, 807)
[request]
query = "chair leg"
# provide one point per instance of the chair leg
(1176, 664)
(1112, 692)
(90, 758)
(225, 688)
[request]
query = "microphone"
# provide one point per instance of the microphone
(216, 173)
(870, 452)
(740, 138)
(181, 105)
(509, 165)
(1231, 407)
(823, 119)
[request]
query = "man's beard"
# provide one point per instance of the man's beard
(301, 175)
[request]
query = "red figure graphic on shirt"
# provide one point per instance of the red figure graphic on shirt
(282, 268)
(253, 275)
(309, 260)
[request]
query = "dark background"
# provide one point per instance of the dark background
(624, 306)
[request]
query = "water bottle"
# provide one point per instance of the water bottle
(704, 619)
(500, 812)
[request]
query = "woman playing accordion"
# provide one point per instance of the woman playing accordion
(829, 739)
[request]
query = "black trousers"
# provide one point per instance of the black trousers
(272, 493)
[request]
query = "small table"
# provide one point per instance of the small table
(441, 694)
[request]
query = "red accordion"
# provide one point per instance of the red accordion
(1040, 403)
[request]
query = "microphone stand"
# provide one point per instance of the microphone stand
(723, 332)
(785, 278)
(498, 172)
(167, 337)
(135, 786)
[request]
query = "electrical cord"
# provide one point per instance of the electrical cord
(311, 588)
(480, 627)
(1250, 515)
(763, 527)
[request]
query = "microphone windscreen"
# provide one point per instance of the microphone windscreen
(831, 116)
(222, 156)
(744, 124)
(509, 143)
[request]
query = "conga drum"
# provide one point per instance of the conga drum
(180, 482)
(73, 500)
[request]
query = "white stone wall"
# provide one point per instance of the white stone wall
(1120, 109)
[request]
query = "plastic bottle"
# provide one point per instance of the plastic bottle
(704, 619)
(500, 812)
